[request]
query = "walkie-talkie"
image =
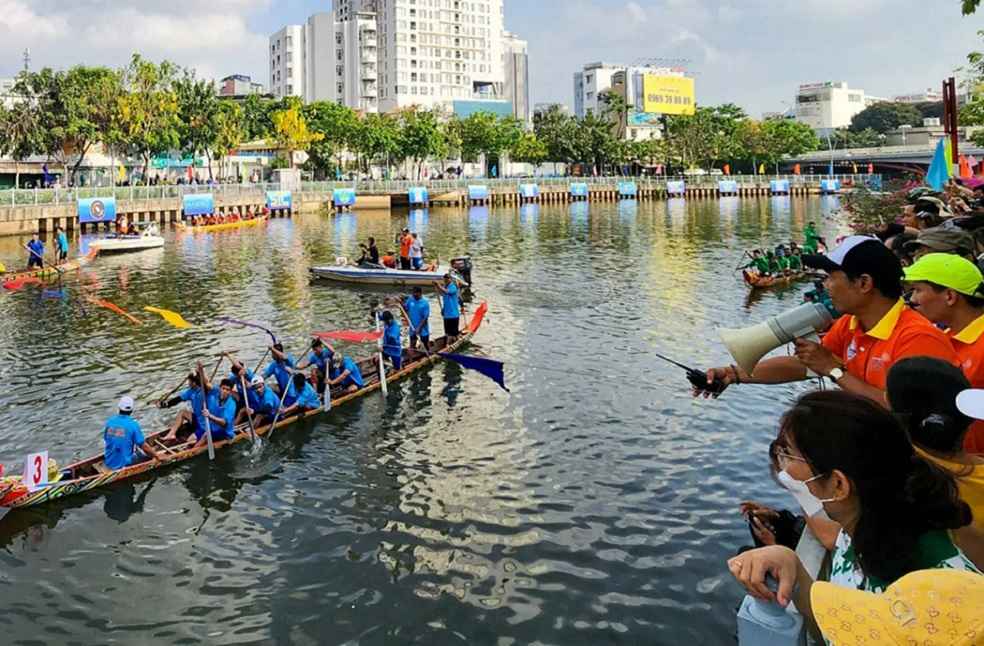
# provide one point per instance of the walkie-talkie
(697, 378)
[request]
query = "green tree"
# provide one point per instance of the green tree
(529, 149)
(291, 132)
(970, 6)
(557, 131)
(785, 137)
(377, 137)
(198, 114)
(421, 137)
(884, 116)
(972, 112)
(616, 108)
(338, 126)
(593, 141)
(147, 110)
(20, 135)
(229, 128)
(257, 123)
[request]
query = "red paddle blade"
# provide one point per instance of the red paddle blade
(114, 308)
(18, 283)
(352, 336)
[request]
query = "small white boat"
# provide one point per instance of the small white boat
(346, 273)
(149, 238)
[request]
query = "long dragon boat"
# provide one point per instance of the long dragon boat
(46, 272)
(225, 226)
(755, 280)
(92, 473)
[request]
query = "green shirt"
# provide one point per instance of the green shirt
(761, 264)
(794, 263)
(783, 262)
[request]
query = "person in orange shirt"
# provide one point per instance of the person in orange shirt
(864, 280)
(406, 241)
(948, 290)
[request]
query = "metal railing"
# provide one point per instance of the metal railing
(63, 196)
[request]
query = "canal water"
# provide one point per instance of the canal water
(595, 503)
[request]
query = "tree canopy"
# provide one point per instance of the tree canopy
(884, 116)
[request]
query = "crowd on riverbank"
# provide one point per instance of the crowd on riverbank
(887, 471)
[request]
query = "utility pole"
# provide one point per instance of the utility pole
(27, 59)
(950, 114)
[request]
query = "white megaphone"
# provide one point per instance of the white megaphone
(749, 344)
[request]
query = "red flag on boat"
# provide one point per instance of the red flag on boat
(352, 336)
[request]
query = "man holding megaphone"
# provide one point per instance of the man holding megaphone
(864, 280)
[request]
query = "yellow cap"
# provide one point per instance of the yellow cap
(927, 607)
(947, 270)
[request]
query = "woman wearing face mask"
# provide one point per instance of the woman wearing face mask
(847, 455)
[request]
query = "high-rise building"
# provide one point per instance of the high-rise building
(831, 104)
(517, 84)
(239, 86)
(591, 81)
(287, 62)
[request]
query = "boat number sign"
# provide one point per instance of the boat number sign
(97, 209)
(36, 470)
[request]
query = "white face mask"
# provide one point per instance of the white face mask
(811, 504)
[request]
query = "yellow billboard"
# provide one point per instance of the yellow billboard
(668, 94)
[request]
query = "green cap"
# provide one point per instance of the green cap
(947, 270)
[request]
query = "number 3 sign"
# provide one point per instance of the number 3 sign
(36, 470)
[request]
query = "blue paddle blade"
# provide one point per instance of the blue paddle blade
(53, 293)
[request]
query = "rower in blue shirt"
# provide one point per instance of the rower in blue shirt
(321, 357)
(35, 252)
(191, 419)
(417, 311)
(123, 438)
(301, 398)
(450, 308)
(221, 415)
(239, 375)
(62, 240)
(392, 340)
(263, 404)
(280, 367)
(349, 377)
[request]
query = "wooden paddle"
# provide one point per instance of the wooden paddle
(249, 418)
(280, 407)
(208, 423)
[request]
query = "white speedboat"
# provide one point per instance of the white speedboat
(376, 275)
(149, 238)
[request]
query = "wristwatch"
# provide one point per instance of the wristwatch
(836, 374)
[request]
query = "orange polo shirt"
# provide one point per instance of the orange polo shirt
(969, 346)
(901, 333)
(405, 243)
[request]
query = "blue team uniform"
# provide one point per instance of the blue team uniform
(355, 375)
(122, 436)
(307, 399)
(194, 397)
(234, 378)
(227, 411)
(62, 242)
(322, 360)
(392, 343)
(279, 372)
(452, 308)
(35, 258)
(419, 313)
(266, 406)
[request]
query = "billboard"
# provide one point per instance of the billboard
(418, 195)
(279, 200)
(579, 189)
(529, 190)
(97, 209)
(343, 197)
(668, 94)
(627, 189)
(478, 192)
(199, 204)
(643, 118)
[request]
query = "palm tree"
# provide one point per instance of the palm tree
(616, 109)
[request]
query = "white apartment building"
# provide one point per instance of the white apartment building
(625, 80)
(515, 61)
(286, 55)
(591, 81)
(831, 104)
(929, 96)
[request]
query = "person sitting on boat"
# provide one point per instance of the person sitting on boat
(349, 377)
(131, 230)
(280, 367)
(221, 414)
(124, 439)
(194, 417)
(450, 307)
(238, 375)
(795, 260)
(405, 242)
(782, 261)
(759, 262)
(416, 312)
(389, 260)
(392, 339)
(62, 241)
(370, 253)
(321, 357)
(301, 397)
(773, 262)
(263, 404)
(35, 252)
(416, 252)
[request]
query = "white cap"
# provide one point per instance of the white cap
(256, 381)
(126, 404)
(971, 403)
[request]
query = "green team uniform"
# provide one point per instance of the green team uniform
(812, 240)
(794, 263)
(783, 263)
(761, 264)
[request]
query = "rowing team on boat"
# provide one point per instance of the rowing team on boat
(786, 260)
(243, 396)
(35, 249)
(411, 256)
(218, 218)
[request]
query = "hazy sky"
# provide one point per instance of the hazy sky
(752, 52)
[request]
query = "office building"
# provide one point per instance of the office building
(594, 79)
(286, 62)
(831, 104)
(929, 96)
(239, 86)
(517, 77)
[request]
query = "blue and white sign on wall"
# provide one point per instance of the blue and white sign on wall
(830, 186)
(727, 187)
(343, 197)
(529, 190)
(418, 195)
(677, 187)
(279, 200)
(779, 186)
(478, 192)
(627, 189)
(579, 189)
(199, 204)
(97, 209)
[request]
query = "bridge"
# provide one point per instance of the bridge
(905, 158)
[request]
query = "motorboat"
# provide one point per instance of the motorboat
(370, 274)
(149, 238)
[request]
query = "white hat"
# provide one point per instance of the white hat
(971, 403)
(126, 404)
(256, 381)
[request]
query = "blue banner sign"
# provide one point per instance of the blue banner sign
(279, 200)
(478, 192)
(343, 197)
(418, 195)
(728, 187)
(579, 189)
(627, 189)
(830, 186)
(97, 209)
(199, 204)
(529, 190)
(779, 186)
(678, 187)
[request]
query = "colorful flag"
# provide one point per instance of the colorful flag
(488, 367)
(727, 169)
(796, 169)
(352, 336)
(173, 318)
(761, 169)
(940, 169)
(965, 167)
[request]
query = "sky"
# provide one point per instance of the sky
(751, 52)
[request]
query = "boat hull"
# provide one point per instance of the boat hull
(756, 281)
(362, 276)
(46, 272)
(111, 245)
(225, 226)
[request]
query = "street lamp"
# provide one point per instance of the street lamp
(904, 128)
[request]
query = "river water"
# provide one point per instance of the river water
(594, 503)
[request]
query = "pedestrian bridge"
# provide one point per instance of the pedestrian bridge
(914, 155)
